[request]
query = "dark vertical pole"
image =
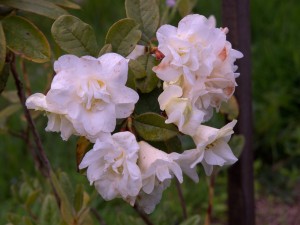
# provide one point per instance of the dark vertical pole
(236, 16)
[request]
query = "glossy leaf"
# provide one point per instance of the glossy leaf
(40, 7)
(170, 145)
(105, 49)
(145, 13)
(66, 4)
(148, 102)
(148, 83)
(137, 69)
(123, 36)
(2, 48)
(25, 39)
(152, 127)
(4, 77)
(74, 36)
(230, 108)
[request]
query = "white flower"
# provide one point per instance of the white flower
(157, 169)
(199, 60)
(57, 122)
(90, 93)
(156, 166)
(179, 110)
(190, 49)
(212, 149)
(111, 166)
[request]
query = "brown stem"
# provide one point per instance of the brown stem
(26, 78)
(211, 187)
(142, 215)
(182, 201)
(39, 153)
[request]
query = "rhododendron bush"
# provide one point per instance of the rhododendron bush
(136, 101)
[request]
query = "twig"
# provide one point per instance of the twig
(98, 217)
(142, 215)
(39, 153)
(26, 78)
(182, 201)
(211, 187)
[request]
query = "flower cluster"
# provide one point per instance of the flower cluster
(88, 95)
(197, 70)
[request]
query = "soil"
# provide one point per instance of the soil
(277, 212)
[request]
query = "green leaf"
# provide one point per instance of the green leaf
(2, 48)
(14, 218)
(148, 102)
(32, 198)
(75, 36)
(27, 220)
(49, 212)
(4, 77)
(66, 4)
(66, 186)
(137, 69)
(78, 199)
(193, 220)
(25, 39)
(170, 145)
(185, 7)
(11, 96)
(145, 13)
(230, 108)
(123, 36)
(66, 208)
(152, 127)
(40, 7)
(148, 83)
(105, 49)
(9, 110)
(187, 142)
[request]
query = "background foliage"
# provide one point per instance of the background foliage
(276, 80)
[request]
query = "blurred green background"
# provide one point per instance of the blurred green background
(276, 103)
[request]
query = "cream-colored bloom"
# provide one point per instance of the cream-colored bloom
(90, 93)
(111, 166)
(156, 166)
(200, 61)
(190, 49)
(57, 122)
(180, 110)
(157, 169)
(212, 149)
